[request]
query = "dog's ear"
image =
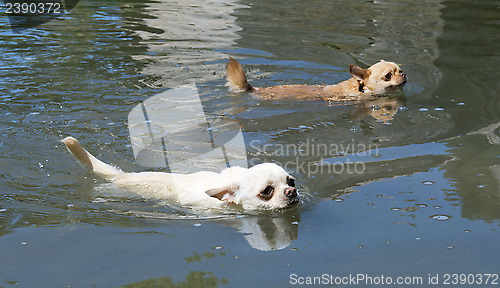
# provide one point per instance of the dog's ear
(223, 194)
(358, 73)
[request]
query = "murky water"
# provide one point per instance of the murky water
(406, 185)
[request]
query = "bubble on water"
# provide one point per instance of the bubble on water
(421, 205)
(3, 210)
(461, 104)
(437, 206)
(428, 182)
(423, 109)
(217, 247)
(450, 247)
(370, 204)
(355, 129)
(395, 209)
(295, 223)
(481, 186)
(440, 217)
(467, 231)
(438, 109)
(24, 243)
(402, 108)
(197, 225)
(379, 195)
(360, 246)
(338, 200)
(418, 238)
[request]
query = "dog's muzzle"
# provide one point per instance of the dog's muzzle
(291, 192)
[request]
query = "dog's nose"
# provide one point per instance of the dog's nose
(291, 192)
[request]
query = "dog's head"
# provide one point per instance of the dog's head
(264, 186)
(379, 77)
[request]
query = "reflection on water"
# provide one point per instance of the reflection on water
(183, 39)
(195, 279)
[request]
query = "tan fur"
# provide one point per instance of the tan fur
(364, 82)
(236, 77)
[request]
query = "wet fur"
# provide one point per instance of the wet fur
(364, 82)
(235, 185)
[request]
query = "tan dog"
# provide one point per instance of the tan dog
(364, 82)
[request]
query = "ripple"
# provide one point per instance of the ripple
(355, 129)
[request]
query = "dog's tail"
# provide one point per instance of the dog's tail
(236, 78)
(88, 161)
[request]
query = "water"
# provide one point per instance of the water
(434, 153)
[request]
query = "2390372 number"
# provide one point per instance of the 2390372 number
(34, 8)
(470, 279)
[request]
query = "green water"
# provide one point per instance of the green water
(425, 201)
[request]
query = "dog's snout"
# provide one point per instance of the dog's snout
(291, 192)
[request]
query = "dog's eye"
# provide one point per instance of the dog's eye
(290, 182)
(388, 76)
(267, 193)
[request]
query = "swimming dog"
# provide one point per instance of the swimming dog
(263, 186)
(374, 80)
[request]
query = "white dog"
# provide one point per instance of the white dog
(264, 186)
